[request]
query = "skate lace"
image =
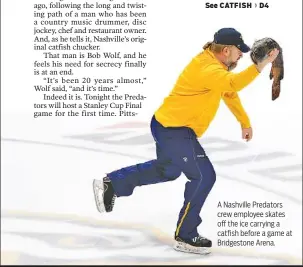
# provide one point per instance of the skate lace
(113, 200)
(105, 181)
(198, 238)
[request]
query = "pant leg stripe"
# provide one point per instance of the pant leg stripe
(182, 219)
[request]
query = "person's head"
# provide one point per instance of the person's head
(228, 46)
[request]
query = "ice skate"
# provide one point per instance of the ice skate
(197, 245)
(104, 194)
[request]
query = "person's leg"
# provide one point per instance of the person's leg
(159, 170)
(201, 174)
(122, 182)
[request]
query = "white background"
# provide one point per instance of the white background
(177, 30)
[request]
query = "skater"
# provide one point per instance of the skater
(183, 117)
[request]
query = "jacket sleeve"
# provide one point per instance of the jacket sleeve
(234, 104)
(215, 77)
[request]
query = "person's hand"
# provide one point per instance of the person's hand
(247, 134)
(269, 59)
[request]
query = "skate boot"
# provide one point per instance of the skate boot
(104, 194)
(198, 245)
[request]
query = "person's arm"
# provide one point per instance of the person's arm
(217, 78)
(233, 102)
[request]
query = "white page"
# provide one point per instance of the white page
(50, 156)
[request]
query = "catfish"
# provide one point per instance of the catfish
(259, 51)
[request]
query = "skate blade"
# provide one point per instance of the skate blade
(98, 193)
(179, 246)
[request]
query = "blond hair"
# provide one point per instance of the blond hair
(215, 48)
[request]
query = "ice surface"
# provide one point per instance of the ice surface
(49, 215)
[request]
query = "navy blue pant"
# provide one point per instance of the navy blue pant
(178, 151)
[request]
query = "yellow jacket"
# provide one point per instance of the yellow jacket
(195, 98)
